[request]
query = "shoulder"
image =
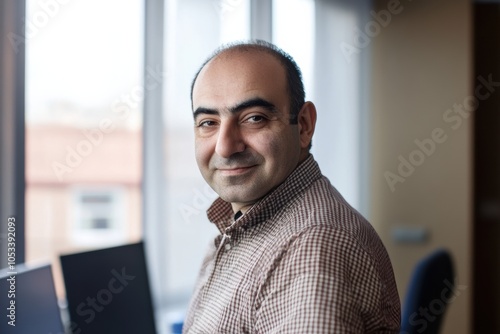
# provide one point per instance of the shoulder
(330, 250)
(352, 278)
(323, 207)
(318, 241)
(319, 225)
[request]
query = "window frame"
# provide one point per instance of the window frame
(12, 143)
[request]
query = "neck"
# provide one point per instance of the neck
(243, 207)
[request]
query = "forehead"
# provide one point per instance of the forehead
(234, 76)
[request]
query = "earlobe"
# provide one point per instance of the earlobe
(307, 123)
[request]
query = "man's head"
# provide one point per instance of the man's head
(295, 86)
(251, 131)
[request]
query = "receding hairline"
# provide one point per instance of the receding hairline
(238, 48)
(243, 48)
(240, 51)
(228, 55)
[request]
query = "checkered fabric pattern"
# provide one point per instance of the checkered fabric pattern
(301, 260)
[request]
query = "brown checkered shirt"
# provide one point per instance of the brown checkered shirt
(301, 260)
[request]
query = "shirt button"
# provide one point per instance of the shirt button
(227, 246)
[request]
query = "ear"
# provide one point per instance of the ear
(307, 123)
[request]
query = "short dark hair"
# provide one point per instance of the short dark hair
(295, 85)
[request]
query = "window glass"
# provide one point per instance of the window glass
(83, 126)
(98, 216)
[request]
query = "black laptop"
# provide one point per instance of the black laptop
(108, 291)
(28, 301)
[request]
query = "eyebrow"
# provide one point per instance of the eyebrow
(255, 102)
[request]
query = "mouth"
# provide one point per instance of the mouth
(235, 170)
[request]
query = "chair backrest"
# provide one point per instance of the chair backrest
(430, 291)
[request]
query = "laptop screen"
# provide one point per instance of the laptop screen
(28, 302)
(108, 291)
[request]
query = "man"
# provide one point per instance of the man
(292, 256)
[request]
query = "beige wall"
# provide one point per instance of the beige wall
(422, 66)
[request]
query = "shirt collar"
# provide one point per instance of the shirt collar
(221, 213)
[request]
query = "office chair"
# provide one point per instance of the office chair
(430, 292)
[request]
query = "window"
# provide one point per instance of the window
(99, 217)
(84, 91)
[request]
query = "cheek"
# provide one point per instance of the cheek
(275, 148)
(264, 144)
(284, 151)
(281, 143)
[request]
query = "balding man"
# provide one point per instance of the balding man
(292, 255)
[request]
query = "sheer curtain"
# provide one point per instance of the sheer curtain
(341, 96)
(322, 36)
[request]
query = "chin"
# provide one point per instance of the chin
(239, 198)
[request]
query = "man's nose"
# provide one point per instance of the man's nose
(229, 140)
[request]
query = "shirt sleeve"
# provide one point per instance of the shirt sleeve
(322, 282)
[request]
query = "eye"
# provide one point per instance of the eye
(254, 119)
(206, 123)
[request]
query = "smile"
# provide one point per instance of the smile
(235, 171)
